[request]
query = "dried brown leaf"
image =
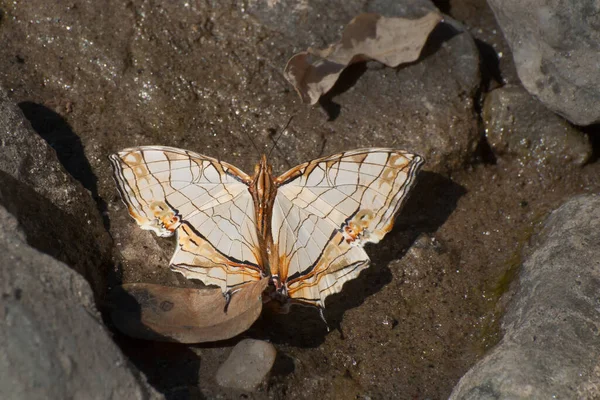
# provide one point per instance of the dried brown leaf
(185, 315)
(391, 41)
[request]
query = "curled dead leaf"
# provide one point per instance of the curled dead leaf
(391, 41)
(184, 315)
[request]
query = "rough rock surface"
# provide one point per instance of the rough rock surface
(247, 366)
(53, 344)
(556, 48)
(56, 212)
(551, 346)
(518, 125)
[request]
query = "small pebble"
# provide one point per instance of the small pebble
(247, 366)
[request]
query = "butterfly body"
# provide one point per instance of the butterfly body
(305, 229)
(263, 190)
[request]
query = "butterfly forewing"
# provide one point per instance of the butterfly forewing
(327, 209)
(205, 201)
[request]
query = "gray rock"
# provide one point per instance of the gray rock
(516, 124)
(57, 214)
(428, 104)
(556, 48)
(52, 341)
(247, 366)
(551, 345)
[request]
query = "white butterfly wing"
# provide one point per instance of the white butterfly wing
(204, 201)
(327, 209)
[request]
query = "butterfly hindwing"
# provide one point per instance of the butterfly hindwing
(314, 258)
(327, 209)
(204, 201)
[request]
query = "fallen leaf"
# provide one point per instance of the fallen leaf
(184, 315)
(391, 41)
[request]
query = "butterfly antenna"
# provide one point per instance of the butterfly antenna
(323, 318)
(279, 136)
(245, 131)
(252, 141)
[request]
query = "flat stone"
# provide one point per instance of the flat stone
(518, 125)
(247, 366)
(551, 346)
(555, 48)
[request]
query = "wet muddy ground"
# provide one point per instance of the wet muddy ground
(94, 79)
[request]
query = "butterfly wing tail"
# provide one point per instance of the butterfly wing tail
(339, 264)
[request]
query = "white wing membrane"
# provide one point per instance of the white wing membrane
(205, 201)
(327, 209)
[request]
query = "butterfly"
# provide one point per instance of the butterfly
(304, 230)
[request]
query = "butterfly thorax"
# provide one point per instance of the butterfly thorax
(263, 189)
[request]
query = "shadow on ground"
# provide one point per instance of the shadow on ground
(58, 134)
(351, 74)
(432, 201)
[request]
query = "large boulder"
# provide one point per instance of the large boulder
(53, 344)
(551, 345)
(52, 340)
(556, 48)
(426, 106)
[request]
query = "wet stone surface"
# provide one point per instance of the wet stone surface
(207, 76)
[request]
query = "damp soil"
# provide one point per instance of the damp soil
(414, 322)
(409, 326)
